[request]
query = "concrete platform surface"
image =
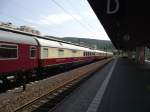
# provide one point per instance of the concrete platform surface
(81, 98)
(127, 91)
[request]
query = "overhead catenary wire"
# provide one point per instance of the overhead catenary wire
(21, 21)
(85, 20)
(34, 24)
(31, 12)
(75, 10)
(68, 13)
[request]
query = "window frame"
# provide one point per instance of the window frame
(17, 56)
(61, 50)
(35, 52)
(88, 53)
(84, 54)
(47, 52)
(74, 53)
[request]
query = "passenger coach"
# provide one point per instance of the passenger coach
(18, 54)
(53, 53)
(29, 55)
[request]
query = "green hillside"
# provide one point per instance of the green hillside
(92, 43)
(104, 45)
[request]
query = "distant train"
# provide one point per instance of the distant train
(23, 54)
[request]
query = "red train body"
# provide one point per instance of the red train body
(23, 62)
(22, 53)
(58, 61)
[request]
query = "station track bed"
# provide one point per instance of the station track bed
(48, 91)
(53, 71)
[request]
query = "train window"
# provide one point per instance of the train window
(61, 53)
(45, 52)
(74, 53)
(84, 54)
(32, 52)
(8, 51)
(87, 53)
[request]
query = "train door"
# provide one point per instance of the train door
(23, 57)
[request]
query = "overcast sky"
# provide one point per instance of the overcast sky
(62, 18)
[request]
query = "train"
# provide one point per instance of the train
(29, 55)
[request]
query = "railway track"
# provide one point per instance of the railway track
(46, 98)
(51, 99)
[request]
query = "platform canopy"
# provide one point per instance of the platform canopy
(127, 22)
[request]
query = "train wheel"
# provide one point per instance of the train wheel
(3, 84)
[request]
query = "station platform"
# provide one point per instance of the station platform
(120, 86)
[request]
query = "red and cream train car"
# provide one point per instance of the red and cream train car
(27, 54)
(18, 54)
(59, 53)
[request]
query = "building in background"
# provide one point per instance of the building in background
(27, 29)
(8, 25)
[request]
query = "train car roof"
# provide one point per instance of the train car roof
(15, 36)
(6, 36)
(55, 44)
(99, 51)
(37, 36)
(73, 47)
